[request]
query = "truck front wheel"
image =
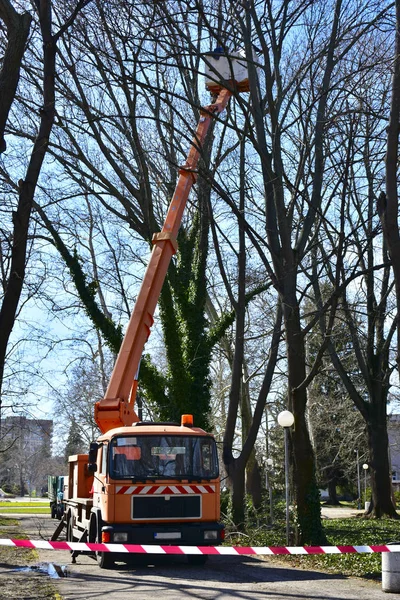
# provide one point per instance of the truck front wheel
(105, 560)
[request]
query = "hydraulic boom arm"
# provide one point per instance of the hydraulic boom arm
(117, 407)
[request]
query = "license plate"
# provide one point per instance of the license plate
(168, 535)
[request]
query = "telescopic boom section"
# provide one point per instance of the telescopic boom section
(116, 409)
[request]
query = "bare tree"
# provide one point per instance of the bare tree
(17, 30)
(21, 217)
(362, 277)
(292, 100)
(388, 203)
(139, 121)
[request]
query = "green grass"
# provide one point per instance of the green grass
(6, 504)
(29, 510)
(6, 521)
(340, 532)
(25, 507)
(19, 555)
(358, 532)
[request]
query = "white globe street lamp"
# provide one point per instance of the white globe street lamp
(286, 420)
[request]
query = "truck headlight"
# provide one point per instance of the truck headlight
(120, 536)
(211, 535)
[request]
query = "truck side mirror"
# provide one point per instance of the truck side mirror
(92, 467)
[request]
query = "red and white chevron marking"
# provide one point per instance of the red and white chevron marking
(221, 550)
(167, 490)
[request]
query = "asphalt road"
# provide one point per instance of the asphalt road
(222, 578)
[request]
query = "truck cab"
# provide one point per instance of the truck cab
(151, 483)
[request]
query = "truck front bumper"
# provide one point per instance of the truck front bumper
(182, 534)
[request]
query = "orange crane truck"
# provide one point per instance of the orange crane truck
(152, 483)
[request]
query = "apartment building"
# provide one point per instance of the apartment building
(35, 434)
(394, 448)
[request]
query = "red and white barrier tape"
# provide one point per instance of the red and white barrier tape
(221, 550)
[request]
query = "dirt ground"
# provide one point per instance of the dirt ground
(18, 580)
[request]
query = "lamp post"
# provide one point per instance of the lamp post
(365, 467)
(286, 420)
(358, 482)
(269, 487)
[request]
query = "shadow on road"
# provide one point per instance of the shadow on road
(222, 577)
(232, 569)
(223, 568)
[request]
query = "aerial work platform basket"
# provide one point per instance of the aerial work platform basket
(222, 69)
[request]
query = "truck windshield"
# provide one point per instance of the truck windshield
(168, 457)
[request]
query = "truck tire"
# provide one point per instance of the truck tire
(70, 535)
(105, 560)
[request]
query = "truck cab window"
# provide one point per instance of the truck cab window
(169, 457)
(103, 460)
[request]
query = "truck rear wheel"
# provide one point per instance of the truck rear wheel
(70, 527)
(70, 535)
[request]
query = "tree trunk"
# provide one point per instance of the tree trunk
(306, 491)
(237, 479)
(380, 469)
(253, 481)
(253, 474)
(333, 499)
(388, 204)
